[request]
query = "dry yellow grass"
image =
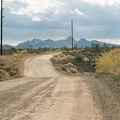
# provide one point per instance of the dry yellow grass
(110, 62)
(9, 65)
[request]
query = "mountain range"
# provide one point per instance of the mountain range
(36, 43)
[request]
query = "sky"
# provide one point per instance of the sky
(51, 19)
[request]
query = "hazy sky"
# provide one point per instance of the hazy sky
(93, 19)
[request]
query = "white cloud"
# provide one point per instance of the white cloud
(103, 2)
(78, 12)
(13, 43)
(35, 18)
(11, 0)
(21, 11)
(39, 7)
(98, 19)
(114, 41)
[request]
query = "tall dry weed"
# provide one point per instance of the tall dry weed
(110, 62)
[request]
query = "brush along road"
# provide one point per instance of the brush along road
(45, 94)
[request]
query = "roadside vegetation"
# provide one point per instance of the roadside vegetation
(109, 63)
(92, 59)
(64, 63)
(10, 60)
(9, 64)
(72, 62)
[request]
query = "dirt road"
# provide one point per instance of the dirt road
(44, 94)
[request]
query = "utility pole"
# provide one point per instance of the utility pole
(1, 24)
(72, 33)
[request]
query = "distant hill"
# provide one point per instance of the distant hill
(36, 43)
(29, 44)
(85, 43)
(6, 46)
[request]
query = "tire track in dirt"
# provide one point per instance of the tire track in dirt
(25, 96)
(45, 94)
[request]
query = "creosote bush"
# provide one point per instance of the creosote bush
(79, 58)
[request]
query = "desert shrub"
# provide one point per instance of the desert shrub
(69, 64)
(8, 66)
(109, 62)
(64, 63)
(69, 68)
(62, 55)
(73, 70)
(4, 74)
(63, 68)
(13, 72)
(86, 59)
(79, 58)
(62, 59)
(24, 52)
(16, 57)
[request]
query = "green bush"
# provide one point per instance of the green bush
(4, 74)
(12, 72)
(79, 58)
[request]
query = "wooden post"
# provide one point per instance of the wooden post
(1, 25)
(72, 33)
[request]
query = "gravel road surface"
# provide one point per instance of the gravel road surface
(44, 94)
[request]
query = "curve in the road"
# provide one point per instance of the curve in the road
(43, 94)
(40, 66)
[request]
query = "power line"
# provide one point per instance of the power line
(1, 25)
